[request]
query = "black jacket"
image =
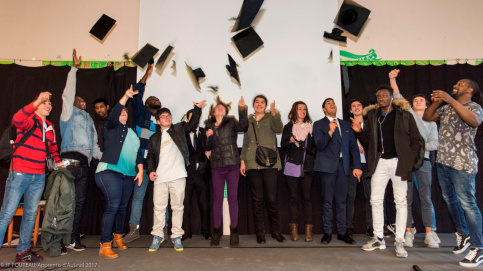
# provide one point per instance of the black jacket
(196, 155)
(100, 123)
(178, 133)
(223, 142)
(296, 154)
(408, 143)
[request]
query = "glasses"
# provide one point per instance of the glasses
(165, 117)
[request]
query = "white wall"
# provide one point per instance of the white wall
(292, 65)
(49, 29)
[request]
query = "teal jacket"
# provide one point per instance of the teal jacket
(58, 211)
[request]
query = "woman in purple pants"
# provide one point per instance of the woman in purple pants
(222, 150)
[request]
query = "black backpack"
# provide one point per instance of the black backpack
(7, 141)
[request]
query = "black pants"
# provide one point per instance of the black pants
(263, 185)
(351, 196)
(94, 203)
(196, 184)
(305, 184)
(80, 173)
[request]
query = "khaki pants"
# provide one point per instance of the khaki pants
(161, 193)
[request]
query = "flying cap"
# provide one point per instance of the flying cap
(195, 75)
(351, 17)
(164, 56)
(247, 41)
(247, 14)
(232, 68)
(145, 55)
(102, 27)
(335, 35)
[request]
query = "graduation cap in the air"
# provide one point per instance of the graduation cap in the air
(335, 35)
(164, 56)
(102, 27)
(247, 41)
(195, 75)
(247, 14)
(232, 68)
(351, 17)
(145, 55)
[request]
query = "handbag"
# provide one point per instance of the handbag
(265, 157)
(294, 170)
(49, 161)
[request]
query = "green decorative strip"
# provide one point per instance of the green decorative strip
(393, 62)
(6, 62)
(478, 62)
(92, 64)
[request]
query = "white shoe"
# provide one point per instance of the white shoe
(400, 251)
(431, 241)
(413, 231)
(408, 239)
(374, 244)
(436, 237)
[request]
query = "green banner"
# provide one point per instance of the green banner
(393, 62)
(92, 64)
(6, 62)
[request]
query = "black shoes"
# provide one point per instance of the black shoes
(370, 232)
(28, 256)
(207, 235)
(215, 240)
(186, 236)
(279, 237)
(346, 238)
(261, 239)
(234, 241)
(326, 239)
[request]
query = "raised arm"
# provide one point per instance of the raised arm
(113, 119)
(195, 118)
(392, 80)
(21, 119)
(68, 96)
(242, 123)
(138, 107)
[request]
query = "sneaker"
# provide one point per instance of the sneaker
(28, 256)
(473, 258)
(156, 242)
(400, 251)
(462, 243)
(178, 246)
(436, 237)
(370, 232)
(76, 245)
(374, 244)
(82, 235)
(413, 231)
(408, 239)
(392, 228)
(132, 235)
(63, 249)
(431, 241)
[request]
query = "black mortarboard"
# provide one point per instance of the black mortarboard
(195, 75)
(102, 27)
(247, 41)
(164, 56)
(232, 68)
(351, 17)
(145, 55)
(247, 13)
(335, 35)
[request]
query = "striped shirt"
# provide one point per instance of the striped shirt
(30, 157)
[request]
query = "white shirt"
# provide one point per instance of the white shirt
(338, 126)
(171, 162)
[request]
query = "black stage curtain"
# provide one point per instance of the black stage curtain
(363, 82)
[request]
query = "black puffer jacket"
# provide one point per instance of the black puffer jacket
(296, 154)
(178, 133)
(223, 142)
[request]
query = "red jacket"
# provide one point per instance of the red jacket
(30, 157)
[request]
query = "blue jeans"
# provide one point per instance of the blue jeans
(137, 200)
(422, 183)
(117, 189)
(18, 184)
(459, 193)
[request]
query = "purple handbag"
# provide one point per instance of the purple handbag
(294, 170)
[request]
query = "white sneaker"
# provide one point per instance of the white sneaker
(413, 231)
(374, 244)
(431, 241)
(400, 251)
(408, 239)
(436, 237)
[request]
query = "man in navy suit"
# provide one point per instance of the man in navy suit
(335, 142)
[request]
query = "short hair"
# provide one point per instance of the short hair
(33, 99)
(260, 96)
(325, 101)
(387, 87)
(100, 100)
(419, 95)
(355, 100)
(146, 102)
(161, 111)
(292, 116)
(227, 107)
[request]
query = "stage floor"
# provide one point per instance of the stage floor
(298, 255)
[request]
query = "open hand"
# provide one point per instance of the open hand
(76, 61)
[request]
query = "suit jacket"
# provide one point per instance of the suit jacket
(196, 155)
(330, 147)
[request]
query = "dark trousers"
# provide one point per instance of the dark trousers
(80, 174)
(94, 201)
(334, 187)
(351, 196)
(263, 184)
(219, 176)
(305, 184)
(196, 184)
(117, 189)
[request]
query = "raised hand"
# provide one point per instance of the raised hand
(241, 103)
(130, 93)
(439, 96)
(76, 61)
(356, 125)
(272, 108)
(209, 133)
(393, 74)
(149, 70)
(43, 97)
(200, 104)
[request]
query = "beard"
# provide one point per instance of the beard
(456, 95)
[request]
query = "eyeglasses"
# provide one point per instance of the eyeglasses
(165, 117)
